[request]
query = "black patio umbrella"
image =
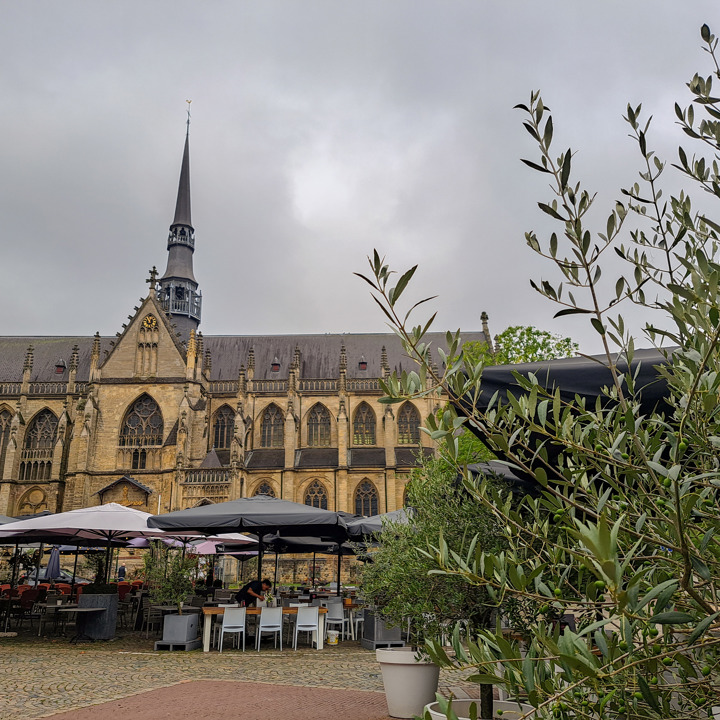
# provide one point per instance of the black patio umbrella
(260, 516)
(578, 376)
(367, 526)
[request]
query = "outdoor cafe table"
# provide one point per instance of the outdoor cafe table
(210, 612)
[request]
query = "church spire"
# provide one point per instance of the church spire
(178, 290)
(182, 206)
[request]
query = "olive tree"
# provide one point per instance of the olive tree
(625, 531)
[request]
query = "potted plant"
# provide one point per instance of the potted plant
(170, 580)
(404, 593)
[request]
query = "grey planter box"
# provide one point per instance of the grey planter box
(99, 626)
(179, 629)
(378, 634)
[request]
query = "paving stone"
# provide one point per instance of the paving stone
(43, 676)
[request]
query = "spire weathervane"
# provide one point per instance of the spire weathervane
(189, 102)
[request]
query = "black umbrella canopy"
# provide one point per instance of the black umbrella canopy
(259, 515)
(579, 376)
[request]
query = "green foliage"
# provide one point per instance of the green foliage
(626, 536)
(169, 574)
(398, 581)
(516, 344)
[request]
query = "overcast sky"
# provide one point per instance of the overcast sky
(320, 130)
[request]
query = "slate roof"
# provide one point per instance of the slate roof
(319, 354)
(366, 457)
(408, 456)
(316, 458)
(265, 459)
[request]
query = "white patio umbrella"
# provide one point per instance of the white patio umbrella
(100, 523)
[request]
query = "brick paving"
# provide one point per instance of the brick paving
(40, 677)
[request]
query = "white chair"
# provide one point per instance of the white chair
(359, 620)
(336, 616)
(270, 622)
(233, 622)
(218, 620)
(308, 620)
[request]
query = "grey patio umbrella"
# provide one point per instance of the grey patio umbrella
(259, 515)
(365, 526)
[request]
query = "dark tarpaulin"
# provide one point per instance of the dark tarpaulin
(259, 515)
(577, 376)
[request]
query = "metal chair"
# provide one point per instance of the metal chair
(270, 622)
(234, 622)
(308, 620)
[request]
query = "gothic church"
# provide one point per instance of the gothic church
(163, 418)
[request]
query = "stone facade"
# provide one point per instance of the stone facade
(162, 420)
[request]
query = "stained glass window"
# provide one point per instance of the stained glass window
(319, 426)
(366, 499)
(316, 495)
(408, 425)
(224, 428)
(364, 426)
(143, 424)
(42, 433)
(265, 489)
(272, 427)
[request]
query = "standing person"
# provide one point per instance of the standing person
(253, 591)
(122, 571)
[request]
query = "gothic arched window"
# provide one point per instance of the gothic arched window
(364, 425)
(143, 424)
(408, 425)
(316, 495)
(272, 427)
(5, 419)
(224, 428)
(318, 426)
(366, 499)
(42, 432)
(38, 449)
(265, 489)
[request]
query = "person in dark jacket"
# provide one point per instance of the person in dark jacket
(253, 591)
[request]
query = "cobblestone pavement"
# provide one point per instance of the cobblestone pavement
(43, 676)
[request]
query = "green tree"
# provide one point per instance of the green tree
(625, 532)
(398, 579)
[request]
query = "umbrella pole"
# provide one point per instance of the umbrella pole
(72, 584)
(277, 555)
(339, 569)
(312, 579)
(39, 562)
(13, 580)
(107, 562)
(260, 559)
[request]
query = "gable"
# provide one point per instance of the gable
(146, 348)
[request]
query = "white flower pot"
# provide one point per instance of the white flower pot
(410, 684)
(502, 710)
